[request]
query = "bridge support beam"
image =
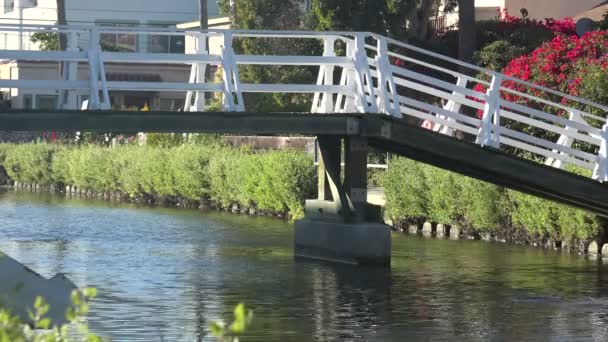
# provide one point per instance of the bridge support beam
(340, 225)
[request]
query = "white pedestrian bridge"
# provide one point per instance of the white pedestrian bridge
(370, 81)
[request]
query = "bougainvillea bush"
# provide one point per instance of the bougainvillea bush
(569, 64)
(572, 65)
(508, 36)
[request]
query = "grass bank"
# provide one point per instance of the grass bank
(417, 193)
(273, 182)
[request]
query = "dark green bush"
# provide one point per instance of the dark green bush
(278, 181)
(164, 139)
(406, 190)
(498, 54)
(417, 192)
(481, 204)
(30, 163)
(443, 195)
(188, 165)
(282, 180)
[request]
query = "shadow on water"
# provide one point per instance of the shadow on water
(164, 274)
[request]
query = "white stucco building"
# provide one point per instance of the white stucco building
(539, 9)
(107, 13)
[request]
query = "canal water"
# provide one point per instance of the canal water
(163, 274)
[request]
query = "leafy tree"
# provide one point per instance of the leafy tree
(400, 19)
(273, 15)
(13, 329)
(48, 41)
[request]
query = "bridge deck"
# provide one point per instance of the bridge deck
(383, 132)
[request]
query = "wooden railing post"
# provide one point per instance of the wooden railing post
(388, 101)
(232, 85)
(201, 48)
(601, 169)
(365, 94)
(451, 106)
(489, 132)
(324, 102)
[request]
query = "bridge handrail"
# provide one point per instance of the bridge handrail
(487, 72)
(371, 81)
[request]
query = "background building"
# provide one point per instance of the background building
(538, 9)
(119, 14)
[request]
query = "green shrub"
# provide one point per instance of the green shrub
(534, 215)
(92, 167)
(275, 181)
(417, 192)
(42, 329)
(225, 174)
(30, 163)
(146, 170)
(283, 180)
(60, 167)
(164, 139)
(406, 190)
(498, 54)
(4, 148)
(443, 195)
(482, 204)
(576, 224)
(188, 165)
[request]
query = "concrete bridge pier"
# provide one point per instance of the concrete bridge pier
(340, 225)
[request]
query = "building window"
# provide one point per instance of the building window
(170, 104)
(9, 6)
(166, 43)
(48, 102)
(28, 102)
(117, 40)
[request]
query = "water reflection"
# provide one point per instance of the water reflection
(164, 274)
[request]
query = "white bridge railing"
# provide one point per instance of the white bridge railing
(357, 72)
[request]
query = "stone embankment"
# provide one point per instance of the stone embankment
(597, 248)
(147, 199)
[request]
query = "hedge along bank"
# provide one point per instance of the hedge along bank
(280, 181)
(417, 193)
(272, 182)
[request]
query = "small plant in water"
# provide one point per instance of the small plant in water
(231, 332)
(42, 330)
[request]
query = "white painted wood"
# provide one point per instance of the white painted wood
(154, 58)
(201, 68)
(489, 134)
(324, 102)
(568, 131)
(438, 110)
(545, 153)
(600, 172)
(387, 89)
(437, 83)
(452, 106)
(366, 84)
(549, 145)
(363, 78)
(452, 124)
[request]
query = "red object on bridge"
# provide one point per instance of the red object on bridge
(427, 124)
